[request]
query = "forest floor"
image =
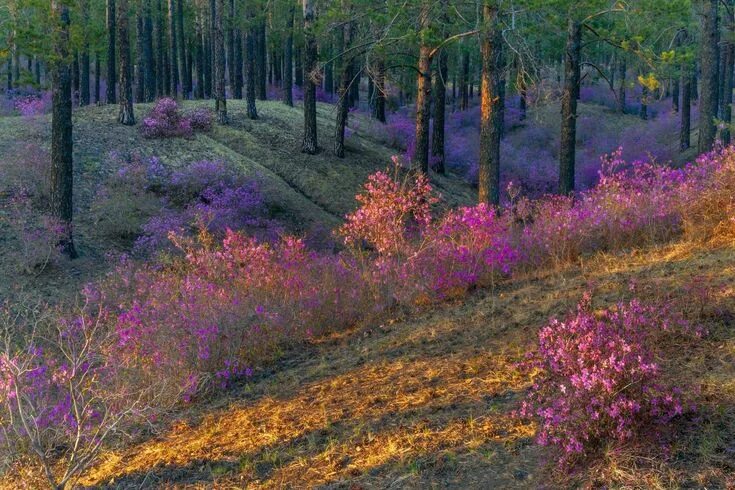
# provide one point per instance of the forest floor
(426, 401)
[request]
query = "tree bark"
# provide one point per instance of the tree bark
(111, 53)
(440, 102)
(464, 94)
(161, 73)
(230, 32)
(140, 53)
(288, 60)
(62, 163)
(126, 115)
(380, 95)
(250, 75)
(185, 67)
(97, 77)
(344, 86)
(149, 74)
(622, 69)
(311, 79)
(261, 61)
(423, 96)
(173, 49)
(567, 153)
(675, 94)
(686, 108)
(490, 107)
(218, 8)
(709, 62)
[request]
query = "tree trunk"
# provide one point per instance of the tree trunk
(344, 86)
(380, 95)
(199, 34)
(288, 60)
(311, 78)
(183, 59)
(464, 95)
(173, 48)
(140, 53)
(709, 62)
(423, 96)
(149, 75)
(84, 77)
(622, 69)
(219, 61)
(727, 75)
(440, 103)
(62, 164)
(298, 69)
(567, 151)
(686, 108)
(74, 77)
(97, 77)
(231, 66)
(237, 91)
(126, 115)
(675, 94)
(250, 75)
(161, 74)
(111, 53)
(261, 61)
(643, 114)
(490, 107)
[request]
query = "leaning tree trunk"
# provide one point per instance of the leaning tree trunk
(311, 78)
(288, 61)
(709, 63)
(111, 50)
(569, 107)
(490, 108)
(62, 163)
(440, 101)
(126, 115)
(250, 74)
(219, 61)
(423, 97)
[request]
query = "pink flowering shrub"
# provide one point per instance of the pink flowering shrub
(166, 121)
(598, 379)
(393, 211)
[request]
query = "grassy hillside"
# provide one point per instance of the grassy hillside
(426, 402)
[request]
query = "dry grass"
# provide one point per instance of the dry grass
(426, 402)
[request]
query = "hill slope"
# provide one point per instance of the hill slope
(426, 402)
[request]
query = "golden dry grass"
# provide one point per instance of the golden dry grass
(426, 402)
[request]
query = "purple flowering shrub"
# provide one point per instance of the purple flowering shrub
(167, 121)
(598, 380)
(61, 393)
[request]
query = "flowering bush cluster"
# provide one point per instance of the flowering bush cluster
(598, 380)
(166, 121)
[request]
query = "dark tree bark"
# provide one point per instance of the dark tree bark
(440, 102)
(97, 79)
(288, 60)
(423, 96)
(9, 85)
(709, 61)
(464, 94)
(311, 78)
(126, 115)
(75, 83)
(727, 74)
(298, 68)
(111, 53)
(622, 69)
(149, 74)
(230, 32)
(161, 73)
(173, 48)
(380, 95)
(37, 70)
(185, 66)
(567, 152)
(250, 76)
(261, 61)
(219, 61)
(140, 53)
(199, 34)
(62, 163)
(490, 107)
(643, 114)
(675, 94)
(686, 108)
(345, 78)
(84, 95)
(329, 69)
